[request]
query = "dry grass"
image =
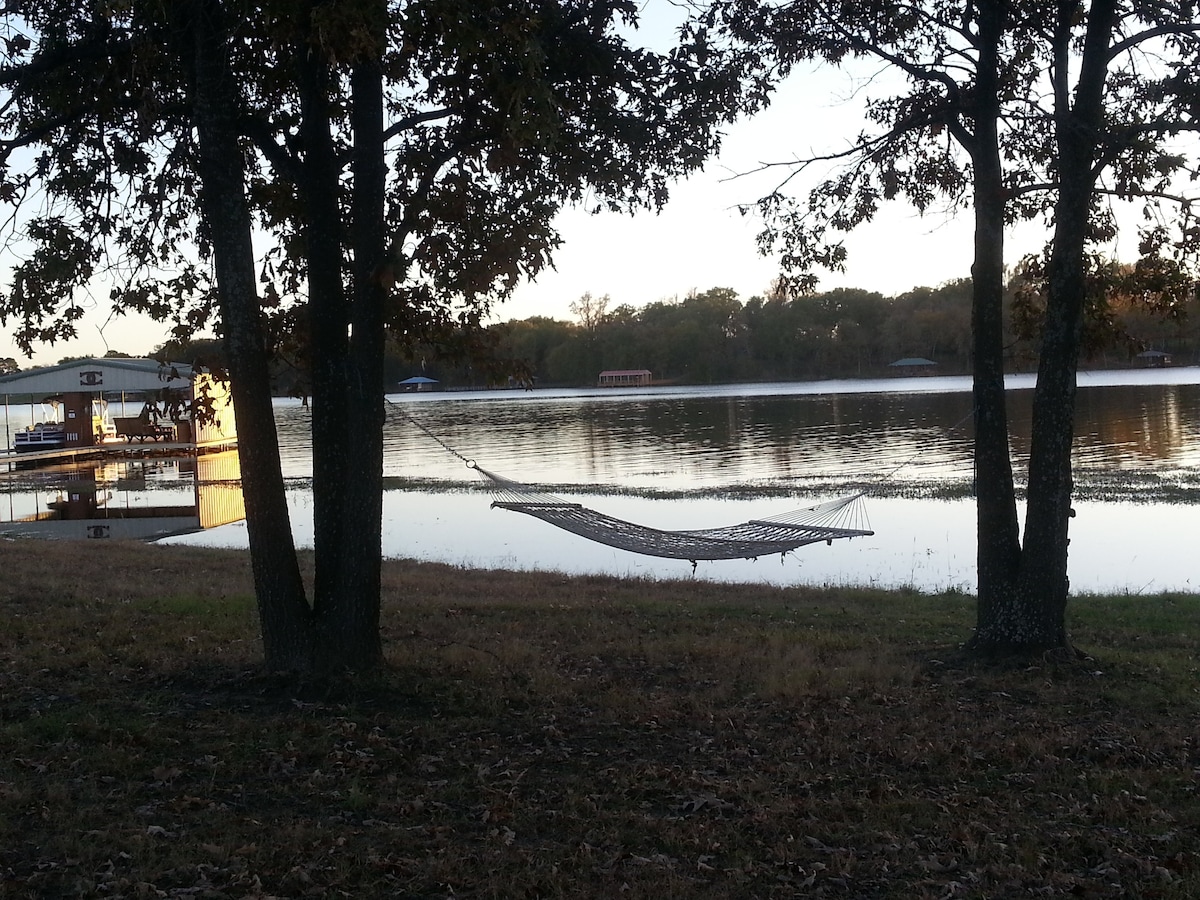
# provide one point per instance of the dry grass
(542, 735)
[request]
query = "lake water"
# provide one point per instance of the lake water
(703, 457)
(694, 458)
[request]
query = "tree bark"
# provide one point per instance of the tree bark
(283, 610)
(1028, 613)
(347, 355)
(1077, 126)
(349, 610)
(998, 548)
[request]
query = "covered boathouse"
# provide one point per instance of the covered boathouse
(625, 378)
(90, 407)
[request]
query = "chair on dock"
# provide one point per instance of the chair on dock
(143, 428)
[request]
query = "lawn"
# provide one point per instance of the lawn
(539, 735)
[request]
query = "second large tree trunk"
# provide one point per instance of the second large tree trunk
(999, 550)
(1027, 613)
(283, 609)
(347, 357)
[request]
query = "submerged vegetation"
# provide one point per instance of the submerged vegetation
(1133, 486)
(543, 735)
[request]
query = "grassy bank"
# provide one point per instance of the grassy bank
(540, 736)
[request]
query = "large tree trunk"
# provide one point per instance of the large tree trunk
(1048, 515)
(1028, 613)
(353, 611)
(998, 549)
(283, 610)
(347, 360)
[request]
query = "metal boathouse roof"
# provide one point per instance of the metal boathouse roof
(97, 375)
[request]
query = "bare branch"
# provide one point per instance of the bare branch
(1179, 29)
(408, 122)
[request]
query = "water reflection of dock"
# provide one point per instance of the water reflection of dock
(131, 498)
(113, 450)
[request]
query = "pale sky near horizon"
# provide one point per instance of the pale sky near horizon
(698, 242)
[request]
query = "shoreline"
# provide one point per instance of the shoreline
(45, 566)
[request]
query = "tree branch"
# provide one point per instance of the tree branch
(1190, 29)
(260, 133)
(402, 125)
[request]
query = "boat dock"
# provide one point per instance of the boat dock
(184, 412)
(110, 450)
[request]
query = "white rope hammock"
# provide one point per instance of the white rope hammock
(835, 519)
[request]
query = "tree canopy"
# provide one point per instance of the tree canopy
(1015, 110)
(306, 176)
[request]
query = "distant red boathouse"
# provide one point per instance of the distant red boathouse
(625, 378)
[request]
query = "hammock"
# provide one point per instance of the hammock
(840, 518)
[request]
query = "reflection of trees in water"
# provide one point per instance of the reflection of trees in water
(867, 435)
(1128, 426)
(1122, 426)
(732, 438)
(709, 438)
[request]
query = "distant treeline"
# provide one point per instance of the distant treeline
(713, 337)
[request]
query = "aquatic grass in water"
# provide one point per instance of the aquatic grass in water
(1133, 487)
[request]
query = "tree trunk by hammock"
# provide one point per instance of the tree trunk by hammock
(998, 548)
(1024, 610)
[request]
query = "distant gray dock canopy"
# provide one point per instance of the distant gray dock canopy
(625, 378)
(418, 383)
(913, 365)
(1154, 358)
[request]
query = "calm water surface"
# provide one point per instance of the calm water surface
(725, 454)
(738, 436)
(699, 457)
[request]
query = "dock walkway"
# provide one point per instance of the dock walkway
(115, 449)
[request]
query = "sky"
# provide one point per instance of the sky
(699, 241)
